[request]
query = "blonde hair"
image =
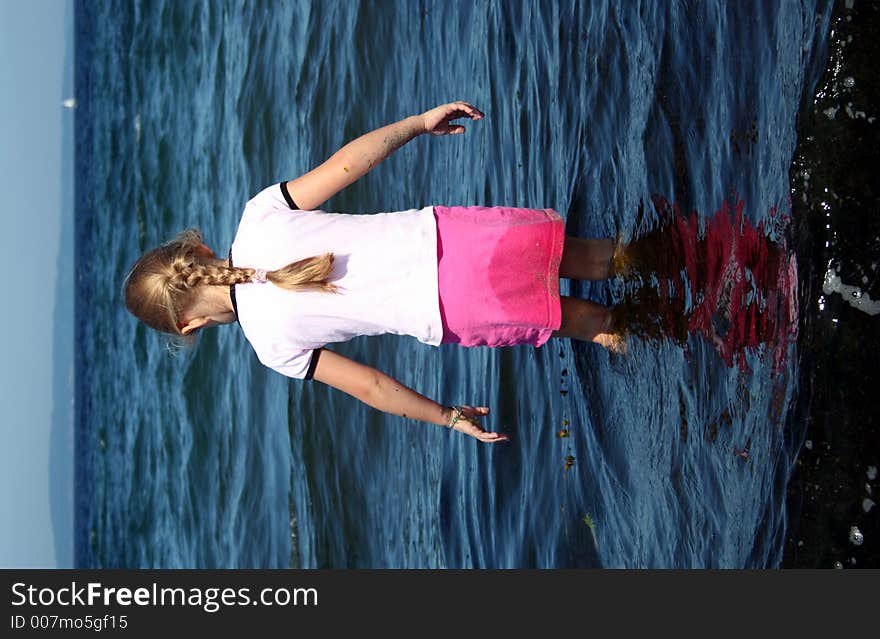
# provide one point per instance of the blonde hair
(163, 282)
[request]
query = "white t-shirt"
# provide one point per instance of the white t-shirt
(385, 269)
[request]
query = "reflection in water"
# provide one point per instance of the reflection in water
(719, 277)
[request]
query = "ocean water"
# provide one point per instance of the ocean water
(669, 124)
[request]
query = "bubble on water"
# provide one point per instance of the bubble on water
(838, 565)
(808, 444)
(867, 504)
(855, 536)
(853, 114)
(849, 82)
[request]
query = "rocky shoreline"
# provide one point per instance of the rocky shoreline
(832, 515)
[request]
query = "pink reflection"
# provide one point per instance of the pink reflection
(720, 278)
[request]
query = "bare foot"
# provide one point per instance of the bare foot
(614, 342)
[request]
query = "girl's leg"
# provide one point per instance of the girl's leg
(585, 321)
(585, 259)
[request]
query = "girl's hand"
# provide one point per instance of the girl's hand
(436, 120)
(468, 425)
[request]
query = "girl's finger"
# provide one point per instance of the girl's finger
(469, 107)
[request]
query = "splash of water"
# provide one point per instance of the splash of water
(852, 295)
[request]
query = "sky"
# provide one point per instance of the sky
(36, 178)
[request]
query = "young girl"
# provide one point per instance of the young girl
(297, 278)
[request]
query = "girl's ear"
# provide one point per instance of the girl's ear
(188, 326)
(203, 250)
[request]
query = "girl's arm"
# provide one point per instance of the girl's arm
(356, 158)
(385, 393)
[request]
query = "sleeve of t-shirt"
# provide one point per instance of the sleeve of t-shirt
(300, 365)
(275, 197)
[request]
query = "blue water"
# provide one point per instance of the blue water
(208, 459)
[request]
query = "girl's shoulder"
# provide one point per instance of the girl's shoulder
(273, 197)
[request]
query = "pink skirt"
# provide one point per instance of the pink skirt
(499, 274)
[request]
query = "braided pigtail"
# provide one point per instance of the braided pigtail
(309, 274)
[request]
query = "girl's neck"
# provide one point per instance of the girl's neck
(220, 301)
